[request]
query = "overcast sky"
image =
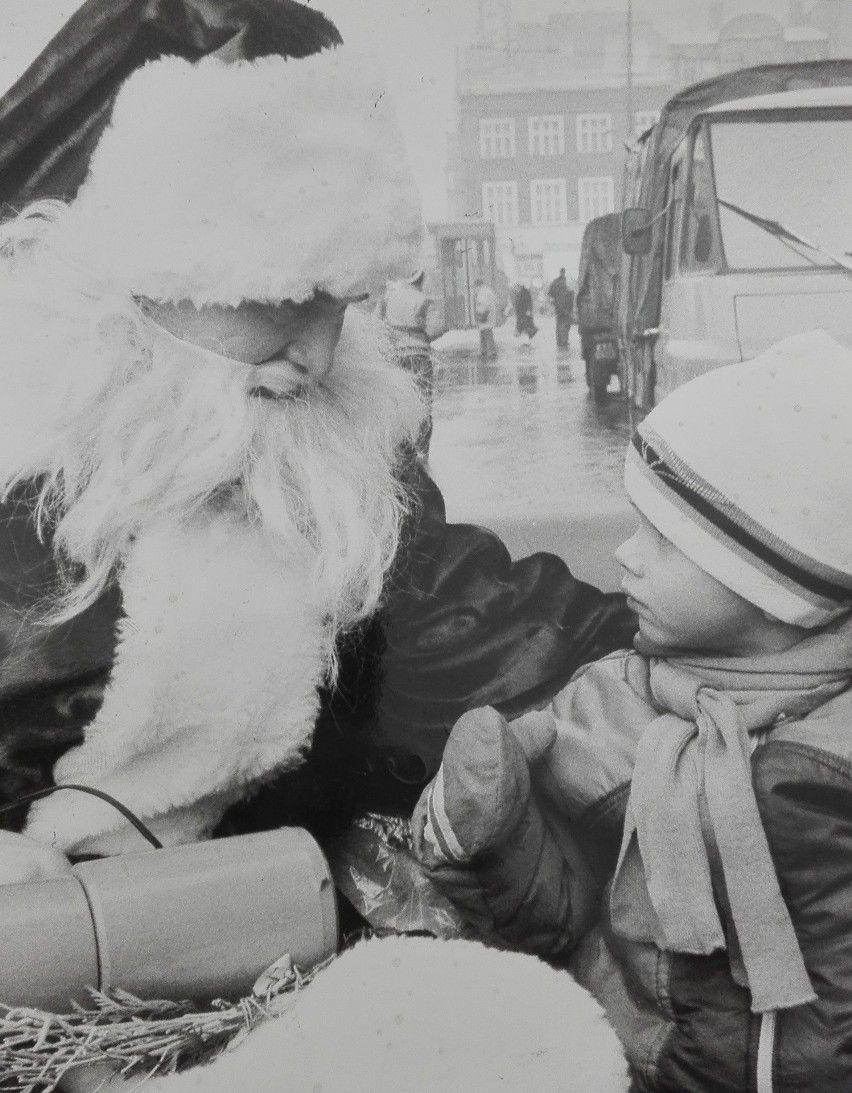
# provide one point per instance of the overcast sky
(420, 40)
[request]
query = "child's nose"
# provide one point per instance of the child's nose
(628, 555)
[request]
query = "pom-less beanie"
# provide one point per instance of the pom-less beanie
(748, 471)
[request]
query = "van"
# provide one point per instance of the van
(737, 223)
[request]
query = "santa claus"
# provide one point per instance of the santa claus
(195, 416)
(204, 421)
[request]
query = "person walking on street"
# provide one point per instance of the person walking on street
(562, 296)
(524, 321)
(485, 314)
(405, 308)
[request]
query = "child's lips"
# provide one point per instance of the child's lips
(636, 606)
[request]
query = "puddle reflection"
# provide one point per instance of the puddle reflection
(523, 435)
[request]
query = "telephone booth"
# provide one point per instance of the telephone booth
(465, 251)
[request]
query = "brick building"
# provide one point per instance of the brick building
(544, 110)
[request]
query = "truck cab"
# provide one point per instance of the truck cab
(749, 236)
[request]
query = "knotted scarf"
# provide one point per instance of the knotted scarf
(692, 786)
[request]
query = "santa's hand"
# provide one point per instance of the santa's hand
(23, 859)
(480, 835)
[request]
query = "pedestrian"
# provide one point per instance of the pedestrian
(677, 823)
(485, 315)
(562, 296)
(405, 308)
(523, 304)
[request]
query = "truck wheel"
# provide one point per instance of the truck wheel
(597, 373)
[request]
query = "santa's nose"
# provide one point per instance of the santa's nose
(313, 345)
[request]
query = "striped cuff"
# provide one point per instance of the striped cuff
(438, 832)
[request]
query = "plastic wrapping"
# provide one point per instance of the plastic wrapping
(373, 867)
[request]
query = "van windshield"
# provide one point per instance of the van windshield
(796, 171)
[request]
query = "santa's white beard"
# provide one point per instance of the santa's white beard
(124, 425)
(324, 466)
(245, 534)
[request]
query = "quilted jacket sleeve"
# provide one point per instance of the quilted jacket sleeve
(805, 798)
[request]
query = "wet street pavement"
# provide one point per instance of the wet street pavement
(520, 446)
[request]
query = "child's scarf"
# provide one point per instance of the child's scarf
(693, 767)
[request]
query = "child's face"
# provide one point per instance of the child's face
(679, 605)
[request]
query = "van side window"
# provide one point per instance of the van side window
(674, 204)
(700, 249)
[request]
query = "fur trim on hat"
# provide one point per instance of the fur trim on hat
(746, 471)
(262, 180)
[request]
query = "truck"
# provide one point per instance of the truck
(736, 227)
(595, 300)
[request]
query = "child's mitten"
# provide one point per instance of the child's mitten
(481, 837)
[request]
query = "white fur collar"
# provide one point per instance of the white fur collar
(214, 686)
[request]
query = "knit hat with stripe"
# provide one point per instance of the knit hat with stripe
(748, 471)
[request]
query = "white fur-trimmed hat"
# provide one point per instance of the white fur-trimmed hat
(257, 180)
(748, 471)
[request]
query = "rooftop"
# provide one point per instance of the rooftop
(789, 100)
(512, 79)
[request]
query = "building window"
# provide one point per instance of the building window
(644, 119)
(546, 135)
(596, 197)
(594, 132)
(500, 202)
(548, 203)
(496, 138)
(530, 269)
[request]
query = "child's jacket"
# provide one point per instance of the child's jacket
(657, 815)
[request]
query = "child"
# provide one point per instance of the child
(678, 821)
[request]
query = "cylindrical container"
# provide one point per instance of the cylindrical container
(197, 921)
(48, 953)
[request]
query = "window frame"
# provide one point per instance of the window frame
(580, 197)
(490, 142)
(512, 188)
(675, 202)
(561, 200)
(597, 146)
(686, 264)
(544, 137)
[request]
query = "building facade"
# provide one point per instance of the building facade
(544, 110)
